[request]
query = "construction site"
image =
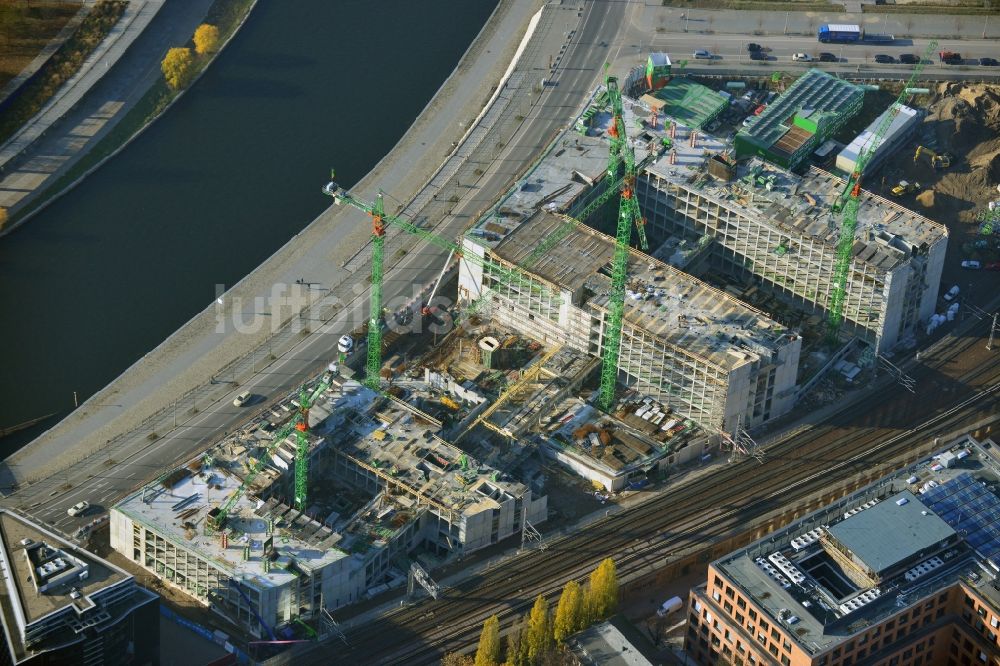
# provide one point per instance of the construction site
(659, 284)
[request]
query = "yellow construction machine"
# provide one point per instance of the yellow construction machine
(905, 187)
(937, 161)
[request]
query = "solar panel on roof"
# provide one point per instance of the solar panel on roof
(932, 495)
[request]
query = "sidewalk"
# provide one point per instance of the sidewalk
(90, 104)
(768, 23)
(183, 362)
(136, 18)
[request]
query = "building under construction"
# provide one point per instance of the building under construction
(693, 347)
(711, 358)
(778, 229)
(397, 488)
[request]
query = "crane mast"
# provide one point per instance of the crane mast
(381, 221)
(306, 400)
(628, 215)
(849, 202)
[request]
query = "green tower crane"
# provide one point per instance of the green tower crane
(217, 517)
(377, 211)
(306, 400)
(628, 215)
(848, 203)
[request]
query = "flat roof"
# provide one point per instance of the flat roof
(888, 533)
(179, 512)
(46, 573)
(802, 206)
(672, 305)
(828, 616)
(903, 119)
(606, 644)
(814, 90)
(34, 604)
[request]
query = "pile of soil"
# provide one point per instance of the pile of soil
(966, 121)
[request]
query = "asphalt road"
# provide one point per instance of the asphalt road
(729, 50)
(536, 118)
(101, 481)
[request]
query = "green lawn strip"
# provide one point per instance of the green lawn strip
(61, 66)
(26, 29)
(226, 15)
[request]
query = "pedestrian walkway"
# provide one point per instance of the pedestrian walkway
(46, 52)
(137, 16)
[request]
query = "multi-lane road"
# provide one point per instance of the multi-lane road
(582, 40)
(485, 173)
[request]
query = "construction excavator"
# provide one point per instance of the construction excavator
(937, 161)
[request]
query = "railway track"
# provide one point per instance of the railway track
(646, 535)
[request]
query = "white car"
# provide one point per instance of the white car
(971, 263)
(79, 508)
(801, 57)
(702, 54)
(241, 399)
(345, 344)
(748, 120)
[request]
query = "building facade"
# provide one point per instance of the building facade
(777, 229)
(902, 573)
(708, 356)
(63, 605)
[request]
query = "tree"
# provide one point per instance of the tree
(206, 38)
(517, 644)
(602, 593)
(176, 67)
(456, 659)
(488, 652)
(539, 636)
(569, 612)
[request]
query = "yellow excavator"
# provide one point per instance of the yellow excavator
(937, 161)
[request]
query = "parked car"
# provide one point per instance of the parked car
(971, 264)
(989, 62)
(884, 59)
(909, 59)
(748, 120)
(801, 57)
(758, 55)
(702, 54)
(759, 110)
(950, 57)
(992, 266)
(826, 56)
(345, 344)
(241, 399)
(952, 293)
(753, 48)
(79, 508)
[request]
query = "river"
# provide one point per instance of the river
(213, 188)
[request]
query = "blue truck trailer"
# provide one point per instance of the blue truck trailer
(839, 32)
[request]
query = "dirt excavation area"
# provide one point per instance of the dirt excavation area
(962, 125)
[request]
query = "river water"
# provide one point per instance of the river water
(213, 188)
